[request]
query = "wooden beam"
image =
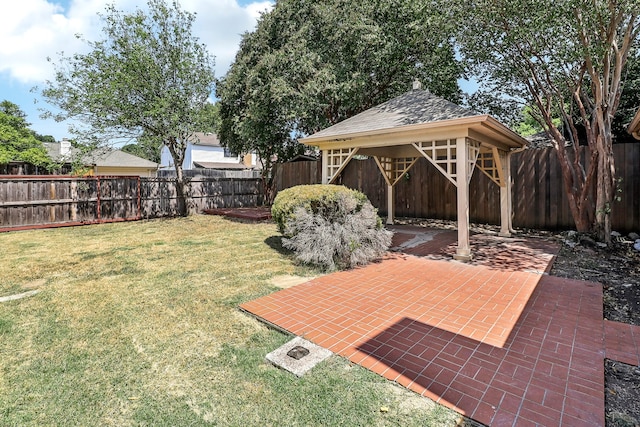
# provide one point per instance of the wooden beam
(463, 252)
(390, 205)
(344, 154)
(430, 152)
(382, 170)
(325, 167)
(405, 170)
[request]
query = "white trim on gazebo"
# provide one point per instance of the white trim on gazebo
(634, 126)
(418, 124)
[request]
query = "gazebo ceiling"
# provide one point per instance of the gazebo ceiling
(415, 116)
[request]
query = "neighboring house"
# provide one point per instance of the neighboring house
(208, 153)
(119, 163)
(634, 126)
(109, 162)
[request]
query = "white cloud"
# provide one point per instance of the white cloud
(32, 30)
(220, 25)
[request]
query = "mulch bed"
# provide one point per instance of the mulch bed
(251, 214)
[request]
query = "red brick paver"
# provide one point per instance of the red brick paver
(622, 342)
(497, 341)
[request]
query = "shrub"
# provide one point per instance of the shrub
(331, 227)
(310, 197)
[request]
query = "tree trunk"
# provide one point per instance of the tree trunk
(267, 179)
(605, 191)
(177, 151)
(575, 181)
(580, 209)
(181, 192)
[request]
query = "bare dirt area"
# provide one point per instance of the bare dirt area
(617, 267)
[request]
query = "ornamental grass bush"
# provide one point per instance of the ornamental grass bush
(330, 226)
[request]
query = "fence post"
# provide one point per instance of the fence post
(98, 207)
(52, 196)
(139, 198)
(74, 200)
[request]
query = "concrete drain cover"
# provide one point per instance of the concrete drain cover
(298, 356)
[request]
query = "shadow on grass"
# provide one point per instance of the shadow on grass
(275, 243)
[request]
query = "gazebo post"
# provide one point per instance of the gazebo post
(325, 167)
(505, 198)
(390, 213)
(463, 252)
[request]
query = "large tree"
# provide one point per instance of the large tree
(17, 142)
(149, 146)
(566, 59)
(310, 64)
(148, 76)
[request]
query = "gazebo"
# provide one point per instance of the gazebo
(419, 124)
(634, 126)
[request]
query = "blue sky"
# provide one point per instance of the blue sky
(31, 30)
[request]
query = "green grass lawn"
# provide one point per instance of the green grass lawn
(137, 324)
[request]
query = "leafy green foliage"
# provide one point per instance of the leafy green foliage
(529, 126)
(17, 141)
(149, 146)
(566, 59)
(147, 76)
(309, 65)
(210, 118)
(630, 97)
(146, 146)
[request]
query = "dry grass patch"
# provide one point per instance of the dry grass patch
(137, 324)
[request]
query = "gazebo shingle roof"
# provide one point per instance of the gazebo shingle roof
(413, 107)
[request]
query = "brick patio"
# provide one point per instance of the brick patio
(498, 340)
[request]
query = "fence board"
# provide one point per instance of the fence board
(539, 199)
(37, 201)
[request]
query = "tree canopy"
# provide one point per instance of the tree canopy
(566, 59)
(311, 64)
(17, 142)
(148, 76)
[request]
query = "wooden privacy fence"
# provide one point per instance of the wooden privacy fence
(159, 196)
(539, 199)
(50, 201)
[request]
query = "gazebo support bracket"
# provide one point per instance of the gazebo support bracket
(495, 163)
(393, 169)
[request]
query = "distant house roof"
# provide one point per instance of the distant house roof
(207, 138)
(220, 165)
(413, 107)
(120, 159)
(539, 140)
(303, 158)
(64, 152)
